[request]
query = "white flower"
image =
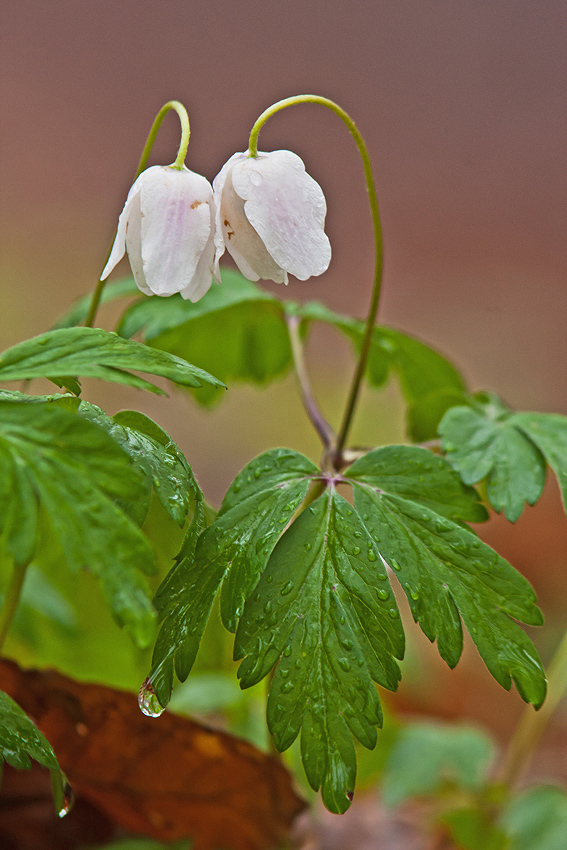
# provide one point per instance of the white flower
(167, 226)
(270, 217)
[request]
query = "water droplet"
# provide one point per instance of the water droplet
(382, 594)
(287, 588)
(287, 687)
(349, 795)
(395, 566)
(347, 644)
(356, 550)
(148, 702)
(365, 517)
(344, 664)
(256, 178)
(257, 473)
(308, 546)
(269, 579)
(393, 613)
(287, 651)
(414, 595)
(283, 673)
(68, 800)
(349, 512)
(358, 533)
(268, 607)
(342, 621)
(371, 555)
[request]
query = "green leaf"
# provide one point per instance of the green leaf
(549, 432)
(78, 311)
(491, 443)
(473, 829)
(157, 457)
(94, 353)
(412, 503)
(236, 331)
(537, 819)
(430, 383)
(427, 757)
(69, 468)
(20, 740)
(322, 608)
(233, 550)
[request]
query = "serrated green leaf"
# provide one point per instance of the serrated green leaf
(20, 740)
(444, 569)
(94, 353)
(423, 373)
(489, 443)
(549, 432)
(156, 456)
(426, 757)
(322, 609)
(78, 311)
(75, 472)
(236, 331)
(537, 819)
(234, 551)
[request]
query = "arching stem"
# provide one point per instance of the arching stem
(178, 164)
(355, 386)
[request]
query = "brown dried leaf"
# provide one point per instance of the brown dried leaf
(167, 778)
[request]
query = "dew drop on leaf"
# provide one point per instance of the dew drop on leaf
(371, 555)
(68, 801)
(287, 687)
(269, 579)
(393, 613)
(382, 594)
(344, 664)
(287, 588)
(287, 651)
(148, 702)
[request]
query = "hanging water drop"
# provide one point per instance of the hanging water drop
(148, 701)
(68, 800)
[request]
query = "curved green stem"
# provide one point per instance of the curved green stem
(11, 599)
(533, 723)
(178, 164)
(379, 252)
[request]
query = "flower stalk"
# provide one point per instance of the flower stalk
(356, 383)
(178, 165)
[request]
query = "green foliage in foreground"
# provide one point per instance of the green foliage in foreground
(20, 740)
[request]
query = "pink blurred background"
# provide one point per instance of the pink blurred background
(463, 106)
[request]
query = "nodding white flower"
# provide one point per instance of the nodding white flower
(270, 217)
(167, 227)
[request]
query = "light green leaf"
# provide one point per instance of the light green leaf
(490, 443)
(446, 572)
(234, 551)
(94, 353)
(20, 740)
(474, 829)
(113, 290)
(426, 757)
(236, 331)
(537, 819)
(157, 457)
(323, 611)
(76, 473)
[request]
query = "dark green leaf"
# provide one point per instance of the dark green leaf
(236, 331)
(426, 757)
(76, 473)
(549, 432)
(537, 819)
(155, 454)
(422, 371)
(322, 608)
(490, 443)
(78, 311)
(94, 353)
(20, 740)
(236, 547)
(444, 569)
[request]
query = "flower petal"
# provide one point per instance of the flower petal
(134, 244)
(176, 226)
(203, 276)
(287, 208)
(131, 209)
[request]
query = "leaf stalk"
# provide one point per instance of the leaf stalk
(11, 600)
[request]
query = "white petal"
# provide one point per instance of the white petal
(203, 277)
(240, 238)
(176, 226)
(131, 209)
(287, 209)
(133, 239)
(218, 186)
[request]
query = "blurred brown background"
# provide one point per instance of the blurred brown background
(463, 106)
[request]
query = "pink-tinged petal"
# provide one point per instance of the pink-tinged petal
(176, 226)
(218, 187)
(241, 239)
(133, 239)
(287, 209)
(131, 209)
(203, 277)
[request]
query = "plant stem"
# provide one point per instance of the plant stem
(379, 252)
(324, 430)
(11, 599)
(178, 164)
(533, 723)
